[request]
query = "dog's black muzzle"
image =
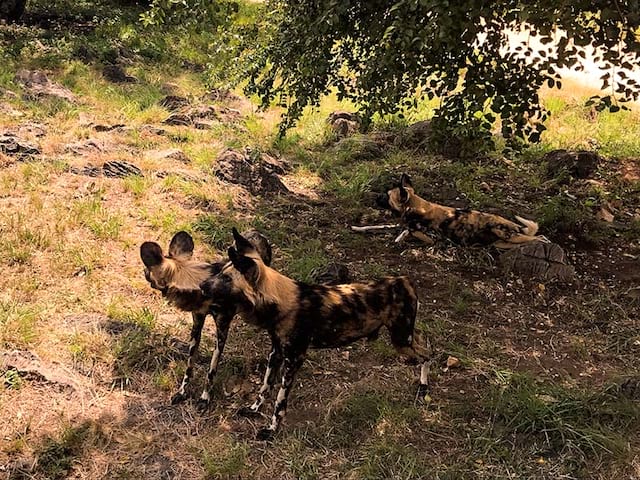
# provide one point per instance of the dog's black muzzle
(382, 201)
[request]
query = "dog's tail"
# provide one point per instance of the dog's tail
(530, 227)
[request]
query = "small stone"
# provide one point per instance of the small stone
(331, 274)
(416, 135)
(360, 148)
(452, 362)
(581, 164)
(116, 74)
(605, 215)
(171, 153)
(254, 171)
(153, 130)
(120, 127)
(87, 146)
(120, 169)
(12, 145)
(545, 261)
(178, 119)
(343, 123)
(201, 124)
(174, 102)
(38, 85)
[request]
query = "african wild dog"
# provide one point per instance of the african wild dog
(178, 277)
(462, 226)
(298, 316)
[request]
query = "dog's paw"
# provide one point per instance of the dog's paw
(247, 411)
(202, 405)
(265, 434)
(178, 398)
(422, 395)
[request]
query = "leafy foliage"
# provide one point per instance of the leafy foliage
(386, 56)
(188, 12)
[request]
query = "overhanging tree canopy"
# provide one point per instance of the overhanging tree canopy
(383, 55)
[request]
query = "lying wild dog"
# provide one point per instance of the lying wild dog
(298, 316)
(178, 277)
(462, 226)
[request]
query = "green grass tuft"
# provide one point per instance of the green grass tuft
(557, 421)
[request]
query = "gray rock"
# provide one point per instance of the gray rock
(171, 154)
(181, 119)
(546, 261)
(580, 164)
(116, 74)
(38, 85)
(118, 127)
(14, 146)
(331, 274)
(174, 102)
(120, 169)
(257, 173)
(360, 147)
(416, 135)
(84, 147)
(153, 129)
(344, 124)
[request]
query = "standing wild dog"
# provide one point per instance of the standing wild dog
(178, 277)
(298, 316)
(461, 225)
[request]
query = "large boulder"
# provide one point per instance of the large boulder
(258, 173)
(344, 124)
(38, 85)
(580, 164)
(116, 74)
(15, 146)
(416, 135)
(331, 274)
(544, 261)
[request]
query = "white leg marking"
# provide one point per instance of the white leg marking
(402, 236)
(424, 374)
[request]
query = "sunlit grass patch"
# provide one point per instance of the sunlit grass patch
(138, 186)
(92, 214)
(224, 458)
(350, 185)
(18, 324)
(142, 317)
(19, 240)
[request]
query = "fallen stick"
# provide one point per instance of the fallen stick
(375, 228)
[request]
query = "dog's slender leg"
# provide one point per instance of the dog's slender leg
(404, 234)
(291, 365)
(196, 335)
(222, 329)
(423, 387)
(273, 366)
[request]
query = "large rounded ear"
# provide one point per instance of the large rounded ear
(151, 254)
(245, 265)
(181, 245)
(243, 246)
(405, 180)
